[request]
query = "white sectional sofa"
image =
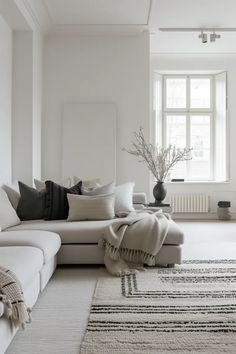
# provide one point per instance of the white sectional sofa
(32, 249)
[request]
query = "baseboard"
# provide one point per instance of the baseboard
(199, 216)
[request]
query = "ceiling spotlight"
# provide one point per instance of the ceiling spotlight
(203, 37)
(214, 36)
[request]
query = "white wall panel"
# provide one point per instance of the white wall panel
(5, 101)
(89, 141)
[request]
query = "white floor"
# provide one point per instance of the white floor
(205, 239)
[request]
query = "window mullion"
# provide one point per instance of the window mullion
(188, 142)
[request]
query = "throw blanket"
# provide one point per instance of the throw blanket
(136, 238)
(11, 295)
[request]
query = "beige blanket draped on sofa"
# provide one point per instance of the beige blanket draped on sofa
(136, 238)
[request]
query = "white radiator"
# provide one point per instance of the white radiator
(189, 203)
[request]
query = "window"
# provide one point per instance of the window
(191, 112)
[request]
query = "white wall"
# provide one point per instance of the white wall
(217, 191)
(5, 100)
(97, 69)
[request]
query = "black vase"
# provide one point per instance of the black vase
(159, 193)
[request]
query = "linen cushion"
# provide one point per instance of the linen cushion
(32, 203)
(8, 216)
(106, 189)
(39, 185)
(69, 182)
(56, 203)
(124, 198)
(100, 207)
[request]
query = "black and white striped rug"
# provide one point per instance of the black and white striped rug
(189, 308)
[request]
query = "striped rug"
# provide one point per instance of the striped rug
(187, 309)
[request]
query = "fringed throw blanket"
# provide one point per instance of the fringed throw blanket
(11, 295)
(136, 238)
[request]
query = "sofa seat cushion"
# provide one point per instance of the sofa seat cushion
(25, 262)
(48, 242)
(88, 231)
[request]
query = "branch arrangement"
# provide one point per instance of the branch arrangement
(158, 159)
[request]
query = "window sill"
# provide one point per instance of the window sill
(199, 182)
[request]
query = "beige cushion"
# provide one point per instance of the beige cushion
(89, 231)
(69, 182)
(97, 207)
(13, 194)
(48, 242)
(8, 216)
(105, 189)
(39, 185)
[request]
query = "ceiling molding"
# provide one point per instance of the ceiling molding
(28, 13)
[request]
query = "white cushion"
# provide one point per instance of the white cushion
(48, 242)
(8, 216)
(124, 198)
(97, 207)
(105, 189)
(13, 194)
(25, 262)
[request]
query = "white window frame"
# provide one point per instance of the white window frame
(190, 112)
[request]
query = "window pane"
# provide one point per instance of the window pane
(176, 135)
(200, 93)
(200, 142)
(176, 130)
(176, 93)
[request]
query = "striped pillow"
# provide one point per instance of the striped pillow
(56, 203)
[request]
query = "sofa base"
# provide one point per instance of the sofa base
(92, 254)
(47, 271)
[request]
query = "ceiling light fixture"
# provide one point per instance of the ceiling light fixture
(214, 36)
(203, 31)
(197, 29)
(203, 37)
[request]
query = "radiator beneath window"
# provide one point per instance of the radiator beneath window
(189, 203)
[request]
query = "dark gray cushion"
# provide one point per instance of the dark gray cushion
(31, 204)
(56, 203)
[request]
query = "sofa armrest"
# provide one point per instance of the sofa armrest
(139, 198)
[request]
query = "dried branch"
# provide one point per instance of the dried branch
(158, 159)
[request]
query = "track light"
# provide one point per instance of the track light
(214, 36)
(203, 37)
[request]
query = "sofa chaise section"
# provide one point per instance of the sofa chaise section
(80, 240)
(26, 263)
(47, 242)
(31, 255)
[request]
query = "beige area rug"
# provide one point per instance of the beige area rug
(187, 309)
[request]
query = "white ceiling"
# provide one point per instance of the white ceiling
(105, 17)
(98, 12)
